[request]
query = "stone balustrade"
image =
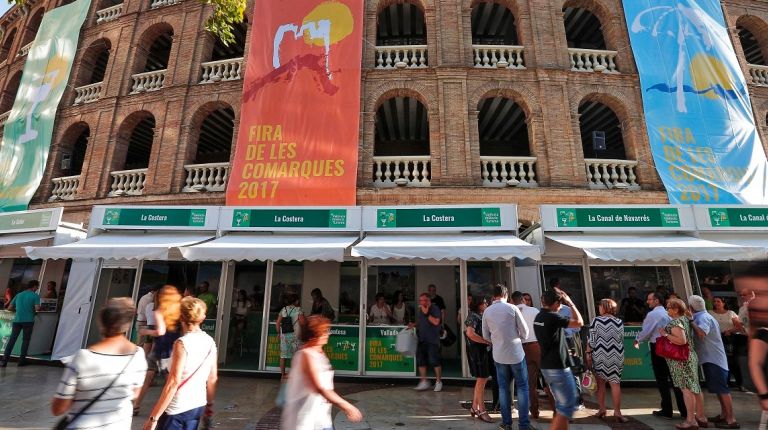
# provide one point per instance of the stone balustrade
(498, 56)
(408, 170)
(593, 60)
(401, 57)
(508, 171)
(759, 74)
(607, 173)
(223, 70)
(4, 117)
(128, 182)
(162, 3)
(206, 177)
(109, 14)
(87, 93)
(148, 81)
(64, 188)
(24, 50)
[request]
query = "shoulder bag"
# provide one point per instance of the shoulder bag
(666, 349)
(67, 419)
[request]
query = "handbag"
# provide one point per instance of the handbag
(588, 381)
(447, 336)
(666, 349)
(406, 342)
(65, 421)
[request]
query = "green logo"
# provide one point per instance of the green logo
(387, 218)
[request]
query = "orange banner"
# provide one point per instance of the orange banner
(299, 122)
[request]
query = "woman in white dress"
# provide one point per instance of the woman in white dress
(380, 312)
(400, 310)
(309, 394)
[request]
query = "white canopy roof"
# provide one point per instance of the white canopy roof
(461, 246)
(121, 246)
(16, 239)
(656, 248)
(254, 247)
(751, 240)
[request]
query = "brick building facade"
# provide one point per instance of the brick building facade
(153, 98)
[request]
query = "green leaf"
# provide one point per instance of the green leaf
(226, 14)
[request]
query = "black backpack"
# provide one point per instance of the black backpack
(286, 324)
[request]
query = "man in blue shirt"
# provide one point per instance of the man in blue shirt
(654, 320)
(428, 326)
(26, 304)
(711, 352)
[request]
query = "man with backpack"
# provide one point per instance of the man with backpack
(288, 321)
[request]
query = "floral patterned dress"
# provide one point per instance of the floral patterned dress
(684, 373)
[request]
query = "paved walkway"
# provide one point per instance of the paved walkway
(245, 403)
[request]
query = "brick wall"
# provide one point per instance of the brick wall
(451, 90)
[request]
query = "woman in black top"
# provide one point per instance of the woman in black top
(479, 356)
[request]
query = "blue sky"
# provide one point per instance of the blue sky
(4, 6)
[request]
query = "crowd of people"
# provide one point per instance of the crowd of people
(510, 343)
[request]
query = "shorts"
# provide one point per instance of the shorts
(427, 355)
(288, 345)
(563, 388)
(182, 421)
(717, 378)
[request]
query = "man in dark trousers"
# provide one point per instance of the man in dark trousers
(549, 327)
(428, 325)
(26, 304)
(655, 319)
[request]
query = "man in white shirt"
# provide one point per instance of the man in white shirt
(654, 320)
(141, 317)
(505, 328)
(531, 349)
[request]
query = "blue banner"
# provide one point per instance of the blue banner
(697, 109)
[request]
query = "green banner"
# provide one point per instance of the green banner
(618, 217)
(341, 349)
(290, 218)
(155, 217)
(637, 362)
(28, 130)
(6, 324)
(738, 217)
(439, 217)
(18, 221)
(380, 352)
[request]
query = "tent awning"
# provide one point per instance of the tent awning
(253, 247)
(656, 248)
(121, 246)
(461, 246)
(17, 239)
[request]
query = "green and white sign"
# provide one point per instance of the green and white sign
(37, 220)
(290, 218)
(440, 218)
(154, 217)
(342, 348)
(28, 130)
(381, 357)
(745, 217)
(637, 362)
(618, 217)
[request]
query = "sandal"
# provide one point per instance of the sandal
(683, 426)
(702, 424)
(621, 419)
(483, 416)
(725, 425)
(599, 415)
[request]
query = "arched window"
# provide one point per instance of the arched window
(209, 168)
(401, 37)
(31, 31)
(587, 46)
(93, 67)
(493, 24)
(71, 156)
(152, 61)
(140, 144)
(504, 144)
(226, 60)
(132, 153)
(401, 143)
(9, 92)
(7, 43)
(753, 52)
(601, 135)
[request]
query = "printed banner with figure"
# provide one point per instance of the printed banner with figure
(299, 123)
(697, 109)
(28, 130)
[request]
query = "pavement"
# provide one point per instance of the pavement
(247, 403)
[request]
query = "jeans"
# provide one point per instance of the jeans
(663, 383)
(15, 330)
(563, 389)
(505, 373)
(188, 420)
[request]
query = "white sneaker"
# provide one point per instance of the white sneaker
(438, 387)
(423, 385)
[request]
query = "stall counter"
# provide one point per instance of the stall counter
(381, 358)
(637, 362)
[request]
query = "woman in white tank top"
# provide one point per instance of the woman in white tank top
(309, 394)
(189, 391)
